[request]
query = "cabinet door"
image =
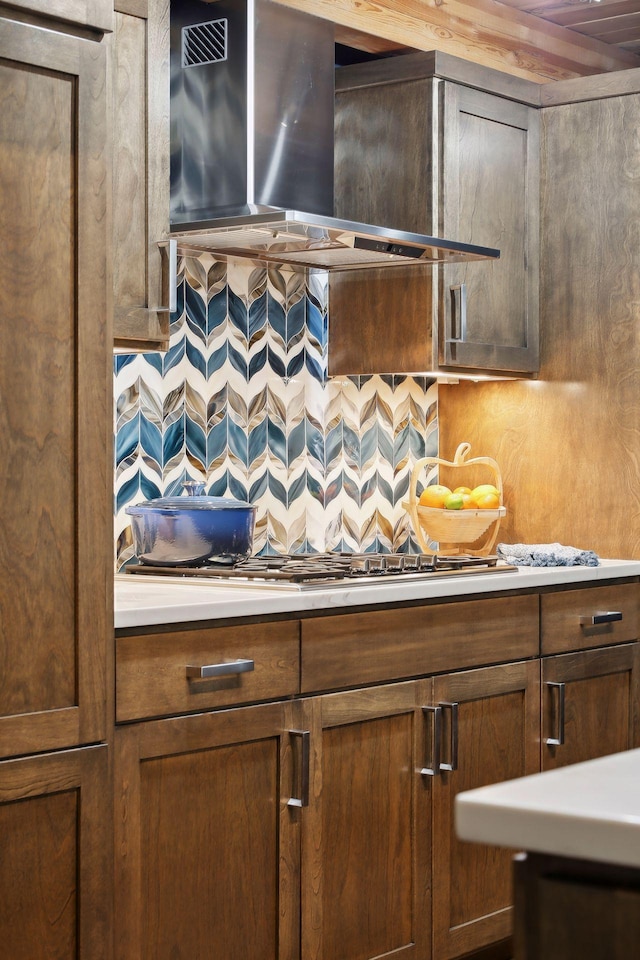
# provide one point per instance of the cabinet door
(140, 56)
(56, 478)
(206, 841)
(490, 196)
(55, 865)
(366, 834)
(86, 13)
(491, 733)
(590, 705)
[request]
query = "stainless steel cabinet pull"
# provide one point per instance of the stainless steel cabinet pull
(604, 616)
(171, 249)
(305, 744)
(453, 742)
(558, 740)
(225, 669)
(436, 741)
(458, 312)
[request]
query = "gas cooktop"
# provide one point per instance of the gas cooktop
(322, 570)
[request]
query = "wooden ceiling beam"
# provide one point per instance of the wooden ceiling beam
(482, 31)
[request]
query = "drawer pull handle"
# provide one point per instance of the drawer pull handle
(558, 740)
(225, 669)
(305, 743)
(433, 769)
(596, 619)
(453, 741)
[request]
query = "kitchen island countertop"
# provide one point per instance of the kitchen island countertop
(153, 600)
(587, 810)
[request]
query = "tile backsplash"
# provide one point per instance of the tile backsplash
(243, 402)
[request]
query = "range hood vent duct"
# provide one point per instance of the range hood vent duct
(252, 103)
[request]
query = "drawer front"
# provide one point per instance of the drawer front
(593, 617)
(384, 645)
(186, 671)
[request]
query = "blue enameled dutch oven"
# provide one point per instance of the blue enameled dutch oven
(183, 531)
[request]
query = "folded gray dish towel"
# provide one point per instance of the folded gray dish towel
(546, 555)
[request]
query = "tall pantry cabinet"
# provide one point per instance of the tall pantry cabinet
(55, 481)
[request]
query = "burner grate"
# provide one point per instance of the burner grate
(322, 568)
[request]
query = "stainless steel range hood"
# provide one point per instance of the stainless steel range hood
(252, 101)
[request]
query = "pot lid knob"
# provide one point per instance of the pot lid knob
(193, 488)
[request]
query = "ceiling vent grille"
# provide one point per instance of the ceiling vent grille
(204, 43)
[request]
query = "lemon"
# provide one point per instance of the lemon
(454, 501)
(434, 495)
(462, 490)
(485, 489)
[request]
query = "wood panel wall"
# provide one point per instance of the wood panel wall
(569, 444)
(482, 31)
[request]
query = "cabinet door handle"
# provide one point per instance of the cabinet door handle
(433, 769)
(558, 740)
(171, 248)
(225, 669)
(603, 616)
(458, 312)
(305, 745)
(453, 740)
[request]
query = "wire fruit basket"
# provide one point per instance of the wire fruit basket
(455, 527)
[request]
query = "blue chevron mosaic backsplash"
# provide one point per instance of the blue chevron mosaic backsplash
(242, 401)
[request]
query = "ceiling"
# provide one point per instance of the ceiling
(615, 22)
(541, 40)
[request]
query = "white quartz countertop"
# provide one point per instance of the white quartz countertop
(587, 810)
(152, 600)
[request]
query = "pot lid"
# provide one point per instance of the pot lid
(195, 500)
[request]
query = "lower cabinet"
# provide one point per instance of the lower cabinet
(55, 868)
(320, 826)
(366, 835)
(206, 839)
(490, 733)
(591, 704)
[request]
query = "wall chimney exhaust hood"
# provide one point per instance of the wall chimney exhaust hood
(252, 103)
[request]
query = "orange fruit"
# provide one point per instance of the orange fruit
(434, 495)
(462, 490)
(468, 503)
(488, 501)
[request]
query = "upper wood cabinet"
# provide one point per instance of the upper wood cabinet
(56, 479)
(96, 14)
(140, 124)
(428, 144)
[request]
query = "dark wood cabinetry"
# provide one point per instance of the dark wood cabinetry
(207, 844)
(591, 704)
(55, 388)
(56, 856)
(357, 784)
(575, 908)
(591, 693)
(428, 145)
(491, 732)
(95, 14)
(330, 808)
(490, 170)
(140, 116)
(56, 484)
(366, 853)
